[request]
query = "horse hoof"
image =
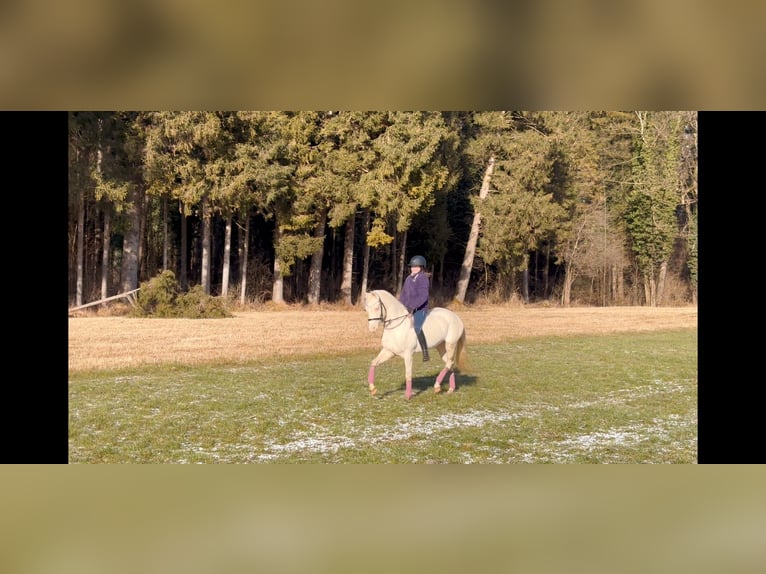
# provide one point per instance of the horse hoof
(437, 389)
(450, 391)
(408, 396)
(373, 391)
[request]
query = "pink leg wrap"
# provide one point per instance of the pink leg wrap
(408, 391)
(452, 380)
(440, 378)
(371, 375)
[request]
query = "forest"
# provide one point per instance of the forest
(564, 208)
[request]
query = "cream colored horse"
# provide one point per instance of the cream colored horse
(443, 329)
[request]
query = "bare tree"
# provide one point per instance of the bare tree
(473, 237)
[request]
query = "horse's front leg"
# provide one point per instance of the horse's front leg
(407, 374)
(382, 357)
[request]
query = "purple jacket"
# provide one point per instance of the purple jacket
(415, 291)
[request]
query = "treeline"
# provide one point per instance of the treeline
(593, 208)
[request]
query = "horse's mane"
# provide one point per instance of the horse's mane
(389, 300)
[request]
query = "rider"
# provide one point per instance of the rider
(414, 296)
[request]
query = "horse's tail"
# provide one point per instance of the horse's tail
(461, 358)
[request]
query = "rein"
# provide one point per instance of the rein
(384, 313)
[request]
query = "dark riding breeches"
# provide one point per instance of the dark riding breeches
(419, 318)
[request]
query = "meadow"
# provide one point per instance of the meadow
(544, 385)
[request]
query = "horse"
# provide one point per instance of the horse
(443, 329)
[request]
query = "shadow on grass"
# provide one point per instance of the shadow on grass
(426, 384)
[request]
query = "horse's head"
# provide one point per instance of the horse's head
(376, 311)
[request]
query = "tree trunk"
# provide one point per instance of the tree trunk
(244, 253)
(183, 274)
(691, 242)
(619, 283)
(661, 282)
(278, 286)
(566, 293)
(80, 247)
(393, 250)
(546, 274)
(105, 254)
(105, 237)
(315, 269)
(142, 236)
(366, 259)
(525, 280)
(206, 245)
(473, 238)
(650, 288)
(165, 233)
(346, 284)
(226, 257)
(401, 264)
(130, 244)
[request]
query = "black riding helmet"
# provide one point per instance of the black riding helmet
(418, 261)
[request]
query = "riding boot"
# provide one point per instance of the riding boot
(423, 345)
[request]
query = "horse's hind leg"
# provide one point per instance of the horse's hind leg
(449, 351)
(442, 348)
(450, 357)
(439, 379)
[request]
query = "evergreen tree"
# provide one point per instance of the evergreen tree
(598, 207)
(651, 216)
(521, 212)
(486, 136)
(347, 148)
(408, 173)
(185, 152)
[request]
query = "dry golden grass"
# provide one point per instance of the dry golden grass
(104, 342)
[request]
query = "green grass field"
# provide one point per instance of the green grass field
(629, 398)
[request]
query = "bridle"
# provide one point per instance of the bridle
(384, 313)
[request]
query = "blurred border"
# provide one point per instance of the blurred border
(331, 519)
(339, 54)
